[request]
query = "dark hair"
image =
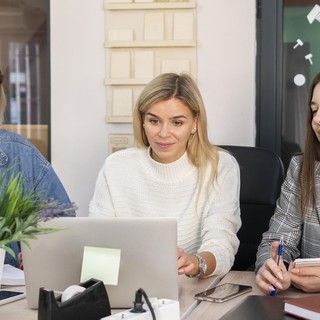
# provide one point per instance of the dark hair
(311, 154)
(1, 77)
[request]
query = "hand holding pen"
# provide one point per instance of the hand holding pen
(273, 275)
(278, 260)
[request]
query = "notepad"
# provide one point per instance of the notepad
(307, 307)
(94, 260)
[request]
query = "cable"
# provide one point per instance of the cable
(137, 303)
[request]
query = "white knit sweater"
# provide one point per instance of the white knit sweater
(131, 183)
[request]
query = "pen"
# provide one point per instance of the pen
(279, 256)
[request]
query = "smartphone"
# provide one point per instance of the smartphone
(7, 296)
(307, 262)
(223, 292)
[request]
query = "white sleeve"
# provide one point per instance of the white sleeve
(220, 226)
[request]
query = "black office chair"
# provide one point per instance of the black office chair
(261, 174)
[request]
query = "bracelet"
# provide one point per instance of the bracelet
(202, 267)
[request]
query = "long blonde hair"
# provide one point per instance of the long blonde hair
(171, 85)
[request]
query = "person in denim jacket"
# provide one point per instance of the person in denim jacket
(17, 154)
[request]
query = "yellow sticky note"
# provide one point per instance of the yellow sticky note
(102, 264)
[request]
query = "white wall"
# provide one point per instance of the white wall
(226, 77)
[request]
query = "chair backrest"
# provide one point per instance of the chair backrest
(261, 174)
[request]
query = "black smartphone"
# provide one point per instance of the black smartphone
(223, 292)
(7, 296)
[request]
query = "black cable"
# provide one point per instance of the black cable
(137, 303)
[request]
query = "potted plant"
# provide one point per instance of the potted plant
(21, 213)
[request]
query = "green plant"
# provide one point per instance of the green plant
(21, 213)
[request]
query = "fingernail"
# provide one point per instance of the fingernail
(279, 285)
(295, 270)
(279, 275)
(272, 288)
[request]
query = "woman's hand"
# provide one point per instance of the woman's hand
(306, 278)
(185, 264)
(271, 276)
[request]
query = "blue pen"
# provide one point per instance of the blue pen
(279, 257)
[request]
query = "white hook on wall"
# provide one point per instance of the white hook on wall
(299, 43)
(308, 57)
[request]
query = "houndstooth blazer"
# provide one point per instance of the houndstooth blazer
(301, 236)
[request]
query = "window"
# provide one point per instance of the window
(287, 60)
(24, 61)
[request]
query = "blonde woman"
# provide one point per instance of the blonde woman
(176, 172)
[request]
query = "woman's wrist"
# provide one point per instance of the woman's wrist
(200, 264)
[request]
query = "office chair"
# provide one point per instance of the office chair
(261, 174)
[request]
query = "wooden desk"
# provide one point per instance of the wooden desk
(17, 309)
(189, 308)
(187, 289)
(214, 311)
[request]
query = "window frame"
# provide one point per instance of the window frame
(269, 65)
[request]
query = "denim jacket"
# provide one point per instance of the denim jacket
(17, 154)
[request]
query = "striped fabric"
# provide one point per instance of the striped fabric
(301, 236)
(131, 183)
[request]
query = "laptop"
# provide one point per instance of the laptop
(148, 256)
(258, 307)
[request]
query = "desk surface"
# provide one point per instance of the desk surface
(187, 289)
(189, 308)
(214, 311)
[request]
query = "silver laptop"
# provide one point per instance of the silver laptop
(148, 256)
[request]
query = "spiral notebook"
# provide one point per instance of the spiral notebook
(148, 256)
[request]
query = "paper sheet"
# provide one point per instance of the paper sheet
(12, 276)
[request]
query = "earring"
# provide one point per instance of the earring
(194, 130)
